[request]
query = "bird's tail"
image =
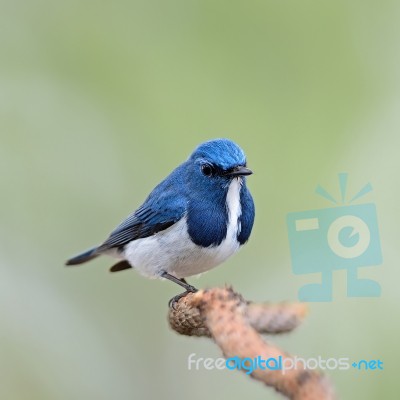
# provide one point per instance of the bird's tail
(84, 257)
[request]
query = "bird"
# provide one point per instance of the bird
(191, 222)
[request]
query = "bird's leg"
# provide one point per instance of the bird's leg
(181, 282)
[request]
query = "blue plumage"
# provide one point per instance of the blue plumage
(162, 208)
(247, 217)
(192, 221)
(223, 152)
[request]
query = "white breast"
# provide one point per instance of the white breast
(230, 244)
(173, 251)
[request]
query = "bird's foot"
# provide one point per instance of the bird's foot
(174, 301)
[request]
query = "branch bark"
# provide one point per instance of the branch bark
(236, 324)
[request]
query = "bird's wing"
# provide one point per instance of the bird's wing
(161, 210)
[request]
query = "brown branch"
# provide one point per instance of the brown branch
(235, 326)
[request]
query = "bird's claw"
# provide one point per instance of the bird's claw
(191, 289)
(172, 303)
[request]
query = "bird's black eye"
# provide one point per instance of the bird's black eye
(207, 169)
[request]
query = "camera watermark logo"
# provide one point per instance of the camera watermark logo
(342, 237)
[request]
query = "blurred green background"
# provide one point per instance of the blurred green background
(100, 100)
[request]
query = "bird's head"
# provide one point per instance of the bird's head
(214, 164)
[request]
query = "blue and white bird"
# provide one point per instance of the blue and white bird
(195, 219)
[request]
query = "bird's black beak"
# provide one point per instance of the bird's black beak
(239, 171)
